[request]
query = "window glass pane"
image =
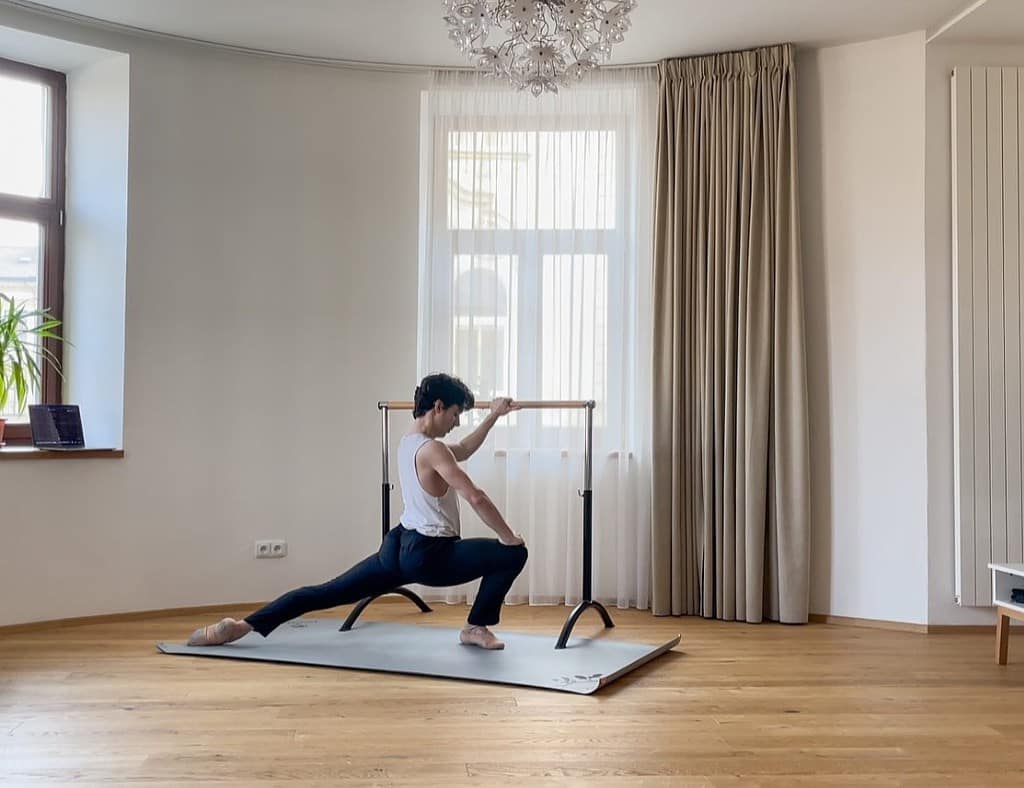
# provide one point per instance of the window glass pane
(484, 336)
(574, 341)
(576, 174)
(21, 248)
(491, 180)
(24, 138)
(525, 180)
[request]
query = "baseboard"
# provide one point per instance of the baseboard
(137, 615)
(171, 612)
(868, 623)
(902, 626)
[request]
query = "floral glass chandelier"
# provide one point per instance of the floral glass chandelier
(538, 44)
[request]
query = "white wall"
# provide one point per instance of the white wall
(95, 246)
(861, 112)
(270, 302)
(941, 58)
(875, 148)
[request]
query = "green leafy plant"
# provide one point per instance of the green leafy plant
(22, 332)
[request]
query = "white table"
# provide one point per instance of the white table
(1005, 577)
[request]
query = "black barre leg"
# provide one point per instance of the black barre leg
(385, 508)
(574, 616)
(586, 602)
(412, 596)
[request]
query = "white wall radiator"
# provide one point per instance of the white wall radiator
(988, 304)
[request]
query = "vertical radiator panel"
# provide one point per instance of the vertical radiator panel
(988, 302)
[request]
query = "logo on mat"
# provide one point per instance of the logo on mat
(566, 681)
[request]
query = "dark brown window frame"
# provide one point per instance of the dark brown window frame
(49, 213)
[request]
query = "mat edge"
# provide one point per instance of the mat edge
(664, 648)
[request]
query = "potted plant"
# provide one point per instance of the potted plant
(22, 332)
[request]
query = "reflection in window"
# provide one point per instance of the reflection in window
(484, 306)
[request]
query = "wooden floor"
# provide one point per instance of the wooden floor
(733, 705)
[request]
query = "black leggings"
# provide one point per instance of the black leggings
(407, 556)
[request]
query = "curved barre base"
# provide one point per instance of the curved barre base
(412, 596)
(574, 616)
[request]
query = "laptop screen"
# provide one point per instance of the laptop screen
(56, 426)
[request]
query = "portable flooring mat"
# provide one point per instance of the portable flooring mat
(583, 667)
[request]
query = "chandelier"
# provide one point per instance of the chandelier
(539, 44)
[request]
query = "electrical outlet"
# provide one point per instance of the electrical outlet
(271, 548)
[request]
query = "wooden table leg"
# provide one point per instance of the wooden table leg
(1002, 636)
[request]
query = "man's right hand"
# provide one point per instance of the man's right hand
(502, 406)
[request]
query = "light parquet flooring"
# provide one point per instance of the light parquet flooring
(734, 705)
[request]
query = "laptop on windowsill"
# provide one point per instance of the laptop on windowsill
(56, 427)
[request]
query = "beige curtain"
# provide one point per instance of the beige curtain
(731, 479)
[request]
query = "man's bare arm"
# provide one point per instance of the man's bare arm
(442, 460)
(466, 447)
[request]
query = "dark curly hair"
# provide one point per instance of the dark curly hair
(447, 388)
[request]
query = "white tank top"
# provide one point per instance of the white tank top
(426, 513)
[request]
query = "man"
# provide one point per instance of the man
(427, 547)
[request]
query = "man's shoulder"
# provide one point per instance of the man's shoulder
(432, 447)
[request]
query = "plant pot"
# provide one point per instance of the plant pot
(3, 423)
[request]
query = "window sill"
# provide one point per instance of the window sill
(32, 453)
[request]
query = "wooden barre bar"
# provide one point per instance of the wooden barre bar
(523, 404)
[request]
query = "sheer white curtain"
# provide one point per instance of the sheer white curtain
(535, 271)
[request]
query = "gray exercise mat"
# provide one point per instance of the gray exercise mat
(583, 667)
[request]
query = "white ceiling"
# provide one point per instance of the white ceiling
(412, 31)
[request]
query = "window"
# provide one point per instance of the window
(531, 245)
(32, 150)
(535, 253)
